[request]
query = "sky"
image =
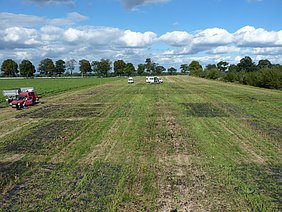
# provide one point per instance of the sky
(170, 32)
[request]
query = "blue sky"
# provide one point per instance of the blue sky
(171, 32)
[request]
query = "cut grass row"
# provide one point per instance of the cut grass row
(188, 144)
(49, 87)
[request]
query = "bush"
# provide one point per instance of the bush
(212, 73)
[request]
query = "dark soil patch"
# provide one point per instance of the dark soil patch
(203, 110)
(41, 139)
(64, 111)
(67, 188)
(269, 129)
(10, 172)
(260, 179)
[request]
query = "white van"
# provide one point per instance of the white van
(130, 80)
(153, 80)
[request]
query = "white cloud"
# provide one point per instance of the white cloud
(21, 35)
(38, 38)
(130, 4)
(225, 49)
(137, 39)
(177, 38)
(213, 36)
(252, 37)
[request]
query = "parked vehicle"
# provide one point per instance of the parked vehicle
(21, 97)
(160, 80)
(130, 80)
(154, 80)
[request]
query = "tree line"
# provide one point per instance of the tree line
(264, 74)
(47, 67)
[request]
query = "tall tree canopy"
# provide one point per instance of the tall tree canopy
(104, 66)
(46, 67)
(150, 65)
(195, 68)
(119, 67)
(184, 68)
(27, 69)
(159, 70)
(129, 69)
(171, 70)
(9, 68)
(60, 67)
(247, 65)
(84, 66)
(222, 66)
(140, 69)
(264, 64)
(70, 65)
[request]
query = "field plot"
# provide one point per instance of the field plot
(186, 145)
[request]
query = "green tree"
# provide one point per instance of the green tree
(264, 64)
(195, 68)
(159, 70)
(119, 66)
(171, 70)
(140, 69)
(9, 68)
(213, 73)
(84, 67)
(27, 69)
(222, 66)
(184, 68)
(233, 68)
(70, 65)
(150, 65)
(95, 65)
(104, 66)
(210, 67)
(46, 67)
(60, 67)
(129, 69)
(247, 65)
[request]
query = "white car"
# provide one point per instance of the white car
(161, 80)
(130, 80)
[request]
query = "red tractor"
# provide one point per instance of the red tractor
(21, 97)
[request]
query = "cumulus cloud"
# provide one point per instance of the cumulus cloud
(177, 38)
(130, 4)
(40, 37)
(252, 37)
(137, 39)
(213, 36)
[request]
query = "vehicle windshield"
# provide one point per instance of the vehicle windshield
(20, 98)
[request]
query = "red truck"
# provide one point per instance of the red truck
(21, 97)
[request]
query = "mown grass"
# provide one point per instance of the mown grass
(49, 87)
(187, 144)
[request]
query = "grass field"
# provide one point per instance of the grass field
(47, 87)
(188, 144)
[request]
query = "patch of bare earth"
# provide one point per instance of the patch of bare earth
(175, 192)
